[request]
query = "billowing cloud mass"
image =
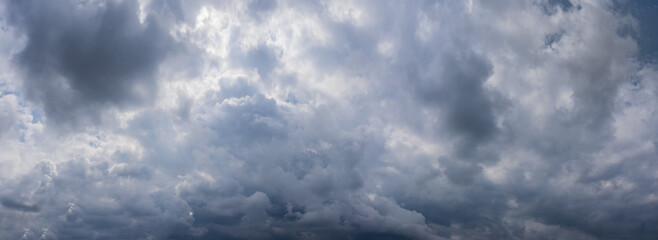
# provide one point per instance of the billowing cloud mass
(264, 119)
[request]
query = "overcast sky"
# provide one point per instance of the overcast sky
(447, 119)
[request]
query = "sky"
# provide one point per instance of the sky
(313, 119)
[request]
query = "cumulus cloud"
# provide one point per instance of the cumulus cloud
(327, 120)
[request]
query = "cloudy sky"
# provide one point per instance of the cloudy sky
(263, 119)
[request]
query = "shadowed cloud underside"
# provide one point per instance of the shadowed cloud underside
(264, 119)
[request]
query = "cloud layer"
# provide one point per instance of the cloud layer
(327, 120)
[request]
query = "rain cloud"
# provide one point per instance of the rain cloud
(273, 119)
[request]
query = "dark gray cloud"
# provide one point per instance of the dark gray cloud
(17, 205)
(327, 120)
(82, 57)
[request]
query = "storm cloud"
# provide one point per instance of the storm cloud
(82, 56)
(167, 119)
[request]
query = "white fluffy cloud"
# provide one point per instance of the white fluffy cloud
(326, 119)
